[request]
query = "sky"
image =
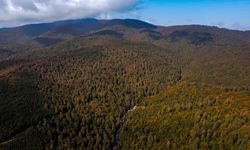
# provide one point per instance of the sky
(232, 14)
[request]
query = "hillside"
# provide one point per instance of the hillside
(187, 116)
(72, 85)
(46, 34)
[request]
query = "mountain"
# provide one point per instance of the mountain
(45, 34)
(123, 84)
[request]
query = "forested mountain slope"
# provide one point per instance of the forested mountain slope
(190, 85)
(46, 34)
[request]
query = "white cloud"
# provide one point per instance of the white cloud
(239, 26)
(15, 12)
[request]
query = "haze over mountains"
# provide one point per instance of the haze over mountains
(72, 85)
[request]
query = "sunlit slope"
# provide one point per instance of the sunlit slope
(190, 117)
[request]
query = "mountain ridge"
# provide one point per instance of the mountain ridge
(47, 34)
(95, 19)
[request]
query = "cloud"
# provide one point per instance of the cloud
(15, 12)
(239, 26)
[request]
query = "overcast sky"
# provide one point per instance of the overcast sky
(233, 14)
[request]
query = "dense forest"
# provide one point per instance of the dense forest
(124, 84)
(189, 116)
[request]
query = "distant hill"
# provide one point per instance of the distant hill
(46, 34)
(31, 35)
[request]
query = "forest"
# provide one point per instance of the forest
(190, 86)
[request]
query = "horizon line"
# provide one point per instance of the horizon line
(158, 25)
